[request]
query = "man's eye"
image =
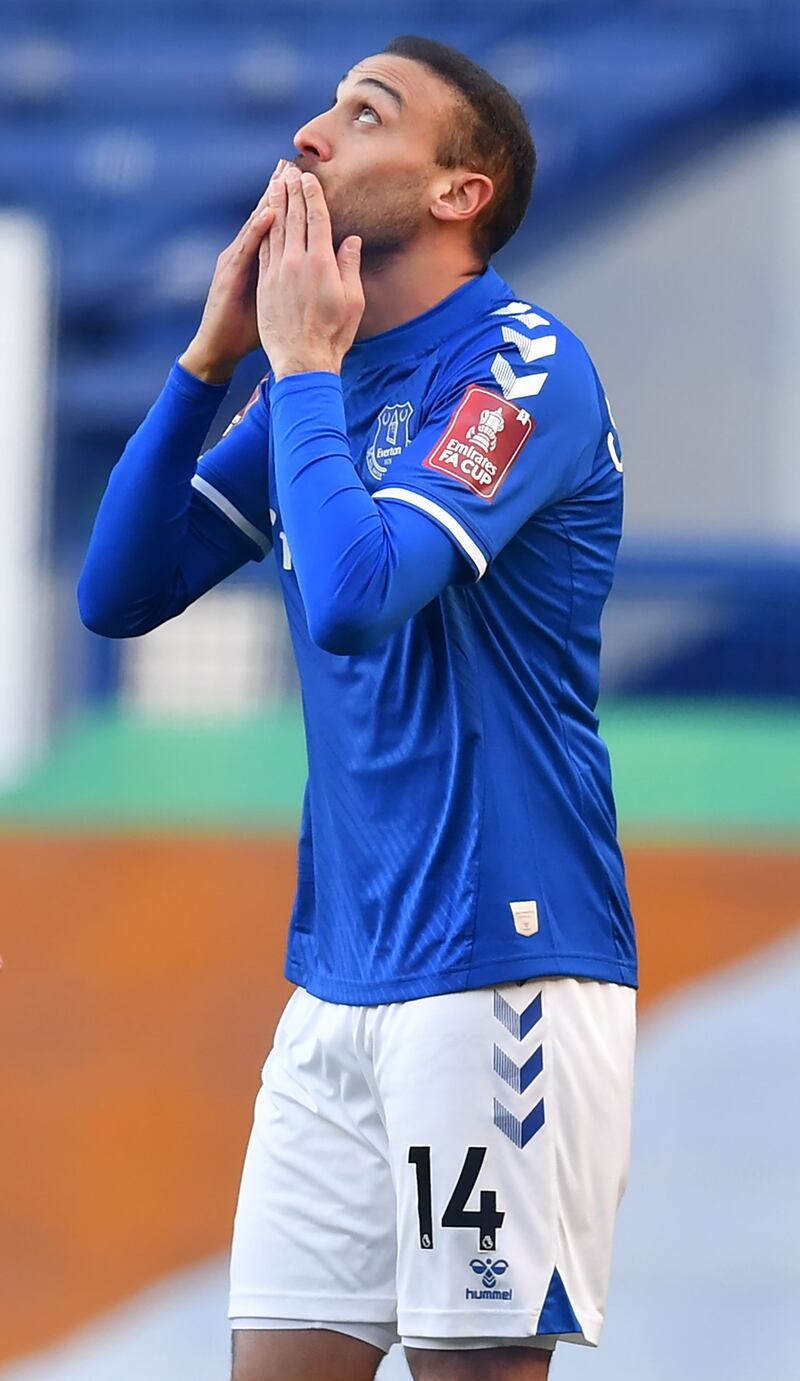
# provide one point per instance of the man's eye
(367, 110)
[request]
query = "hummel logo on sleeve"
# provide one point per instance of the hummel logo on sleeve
(512, 384)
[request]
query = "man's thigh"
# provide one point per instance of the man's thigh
(306, 1355)
(485, 1364)
(302, 1355)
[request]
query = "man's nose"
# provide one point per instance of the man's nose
(312, 140)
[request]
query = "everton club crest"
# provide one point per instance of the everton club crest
(389, 439)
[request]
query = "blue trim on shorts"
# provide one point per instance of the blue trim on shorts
(557, 1314)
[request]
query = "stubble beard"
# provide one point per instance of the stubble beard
(387, 217)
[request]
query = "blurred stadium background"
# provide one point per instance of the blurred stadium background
(149, 790)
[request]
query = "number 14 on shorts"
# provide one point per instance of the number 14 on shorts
(486, 1218)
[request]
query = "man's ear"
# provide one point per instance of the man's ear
(462, 196)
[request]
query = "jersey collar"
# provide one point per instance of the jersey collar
(423, 332)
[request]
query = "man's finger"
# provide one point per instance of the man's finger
(260, 227)
(320, 237)
(244, 233)
(277, 204)
(295, 213)
(264, 255)
(252, 234)
(349, 262)
(262, 201)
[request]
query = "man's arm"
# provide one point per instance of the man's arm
(164, 534)
(363, 568)
(158, 543)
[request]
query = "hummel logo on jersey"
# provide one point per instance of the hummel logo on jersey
(390, 439)
(489, 1271)
(484, 438)
(522, 385)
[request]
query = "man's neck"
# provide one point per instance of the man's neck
(402, 288)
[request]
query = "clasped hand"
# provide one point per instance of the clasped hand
(309, 299)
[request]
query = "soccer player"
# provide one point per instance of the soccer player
(441, 1138)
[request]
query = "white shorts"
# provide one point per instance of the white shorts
(447, 1169)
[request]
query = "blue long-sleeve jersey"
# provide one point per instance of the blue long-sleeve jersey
(445, 519)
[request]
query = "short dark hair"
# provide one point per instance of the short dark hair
(494, 139)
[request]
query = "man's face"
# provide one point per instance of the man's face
(374, 151)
